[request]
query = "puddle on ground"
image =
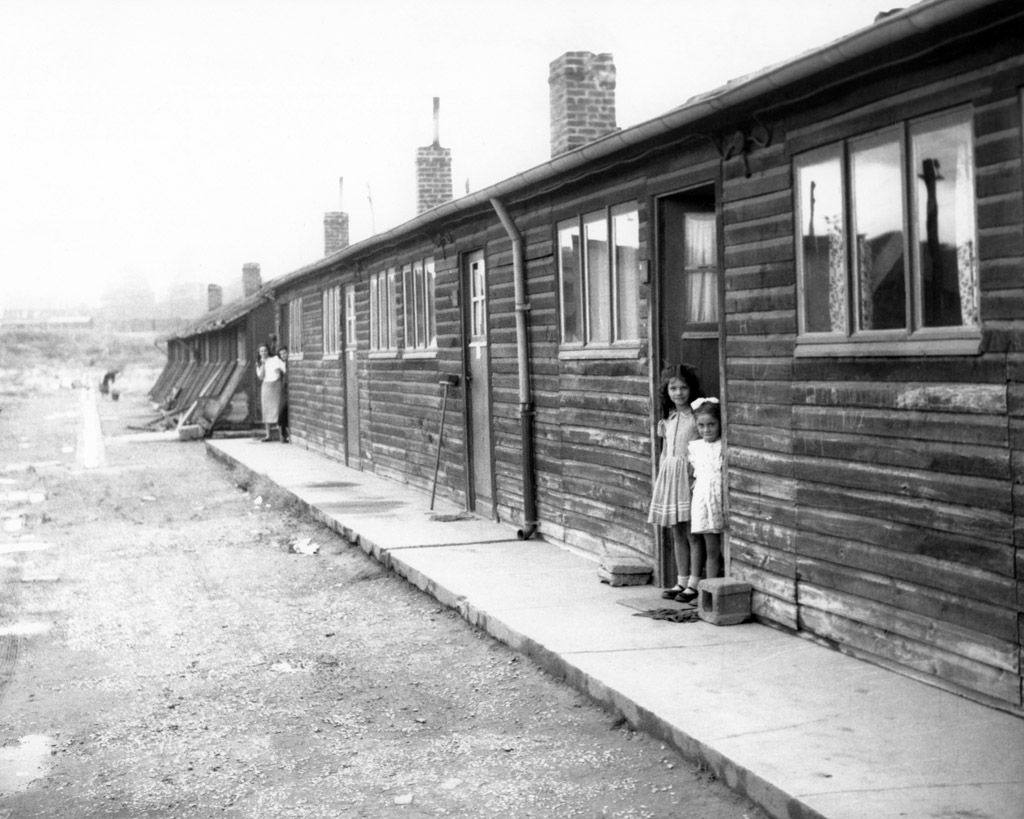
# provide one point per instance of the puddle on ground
(21, 496)
(328, 484)
(25, 628)
(23, 546)
(452, 518)
(30, 467)
(361, 507)
(22, 764)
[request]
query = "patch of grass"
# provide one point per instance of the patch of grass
(22, 347)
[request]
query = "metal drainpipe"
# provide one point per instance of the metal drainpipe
(526, 411)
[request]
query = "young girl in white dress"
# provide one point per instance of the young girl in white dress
(670, 501)
(706, 512)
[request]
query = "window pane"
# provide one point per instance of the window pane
(419, 306)
(408, 312)
(391, 337)
(701, 243)
(374, 313)
(478, 297)
(626, 229)
(945, 250)
(599, 296)
(879, 262)
(350, 316)
(701, 268)
(822, 245)
(431, 277)
(569, 268)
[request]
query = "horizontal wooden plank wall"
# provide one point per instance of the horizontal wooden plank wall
(760, 307)
(591, 431)
(872, 501)
(998, 139)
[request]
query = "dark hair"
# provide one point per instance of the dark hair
(688, 375)
(710, 408)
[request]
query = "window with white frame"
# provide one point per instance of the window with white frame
(332, 320)
(295, 327)
(599, 277)
(887, 240)
(350, 317)
(383, 311)
(418, 280)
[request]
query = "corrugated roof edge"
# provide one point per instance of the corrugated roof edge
(886, 32)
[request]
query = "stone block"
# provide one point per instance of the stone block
(191, 432)
(624, 571)
(723, 601)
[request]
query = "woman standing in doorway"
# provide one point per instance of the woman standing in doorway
(270, 370)
(670, 502)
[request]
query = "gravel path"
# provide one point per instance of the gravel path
(170, 655)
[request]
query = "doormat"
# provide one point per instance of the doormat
(651, 601)
(450, 518)
(653, 606)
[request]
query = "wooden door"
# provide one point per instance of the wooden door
(480, 494)
(689, 286)
(351, 379)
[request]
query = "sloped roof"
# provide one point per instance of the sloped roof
(223, 316)
(883, 34)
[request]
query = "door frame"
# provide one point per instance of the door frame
(350, 371)
(664, 573)
(465, 310)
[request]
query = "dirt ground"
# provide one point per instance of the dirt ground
(165, 653)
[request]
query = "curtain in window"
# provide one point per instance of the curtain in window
(700, 262)
(700, 296)
(966, 259)
(836, 274)
(865, 273)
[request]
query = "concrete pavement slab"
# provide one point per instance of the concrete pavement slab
(803, 730)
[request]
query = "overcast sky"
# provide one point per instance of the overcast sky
(177, 140)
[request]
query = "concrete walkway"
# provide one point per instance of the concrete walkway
(802, 730)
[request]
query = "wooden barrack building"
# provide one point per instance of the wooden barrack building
(836, 243)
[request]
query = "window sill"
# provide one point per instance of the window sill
(294, 356)
(631, 350)
(419, 354)
(383, 354)
(330, 356)
(890, 347)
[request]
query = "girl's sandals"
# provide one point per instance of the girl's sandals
(670, 594)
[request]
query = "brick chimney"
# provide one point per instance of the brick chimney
(433, 170)
(582, 90)
(251, 281)
(214, 296)
(336, 224)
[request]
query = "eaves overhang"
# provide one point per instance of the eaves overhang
(746, 91)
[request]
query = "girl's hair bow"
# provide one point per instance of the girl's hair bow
(696, 405)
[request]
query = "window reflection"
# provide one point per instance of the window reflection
(823, 245)
(626, 229)
(595, 231)
(944, 221)
(878, 227)
(569, 265)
